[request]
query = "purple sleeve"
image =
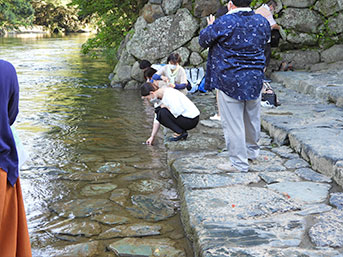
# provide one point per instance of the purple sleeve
(180, 86)
(156, 77)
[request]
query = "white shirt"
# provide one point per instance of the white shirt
(179, 104)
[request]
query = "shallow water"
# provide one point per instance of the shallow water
(71, 122)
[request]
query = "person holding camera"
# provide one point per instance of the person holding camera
(235, 66)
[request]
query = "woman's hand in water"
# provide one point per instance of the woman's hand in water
(150, 140)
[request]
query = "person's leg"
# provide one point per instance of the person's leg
(167, 119)
(187, 123)
(252, 122)
(232, 116)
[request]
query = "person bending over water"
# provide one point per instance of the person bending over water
(173, 110)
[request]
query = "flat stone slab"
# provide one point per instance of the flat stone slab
(267, 252)
(147, 186)
(120, 196)
(134, 230)
(296, 163)
(311, 209)
(284, 230)
(329, 230)
(307, 192)
(115, 168)
(146, 248)
(97, 189)
(96, 177)
(75, 228)
(223, 205)
(150, 208)
(110, 219)
(311, 175)
(81, 208)
(88, 249)
(192, 181)
(283, 176)
(336, 199)
(267, 161)
(199, 142)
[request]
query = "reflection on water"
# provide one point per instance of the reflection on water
(72, 123)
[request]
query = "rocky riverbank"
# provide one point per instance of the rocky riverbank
(290, 203)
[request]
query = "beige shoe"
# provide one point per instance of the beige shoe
(228, 167)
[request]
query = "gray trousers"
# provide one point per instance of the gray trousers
(242, 126)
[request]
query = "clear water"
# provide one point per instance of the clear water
(70, 121)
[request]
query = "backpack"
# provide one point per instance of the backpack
(194, 78)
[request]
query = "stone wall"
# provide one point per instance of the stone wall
(314, 31)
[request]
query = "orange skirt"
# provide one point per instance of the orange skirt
(14, 235)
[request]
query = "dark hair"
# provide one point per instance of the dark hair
(273, 3)
(174, 58)
(146, 88)
(143, 64)
(241, 3)
(149, 72)
(221, 11)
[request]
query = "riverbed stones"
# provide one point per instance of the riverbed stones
(147, 186)
(110, 219)
(76, 228)
(88, 177)
(97, 189)
(311, 175)
(310, 209)
(146, 247)
(329, 230)
(115, 168)
(134, 230)
(88, 249)
(81, 208)
(307, 192)
(150, 208)
(336, 199)
(275, 177)
(178, 28)
(120, 196)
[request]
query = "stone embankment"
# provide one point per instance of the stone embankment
(291, 201)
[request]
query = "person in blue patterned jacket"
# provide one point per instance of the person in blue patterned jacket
(235, 66)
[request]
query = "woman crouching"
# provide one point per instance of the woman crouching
(172, 109)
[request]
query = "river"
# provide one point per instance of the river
(85, 142)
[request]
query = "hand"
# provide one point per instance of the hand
(171, 85)
(210, 19)
(150, 140)
(164, 78)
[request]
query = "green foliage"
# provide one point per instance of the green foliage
(257, 2)
(14, 13)
(114, 20)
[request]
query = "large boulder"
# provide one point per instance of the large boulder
(204, 8)
(163, 36)
(302, 39)
(333, 54)
(302, 20)
(171, 6)
(329, 7)
(137, 73)
(298, 3)
(195, 59)
(194, 45)
(335, 24)
(301, 59)
(184, 53)
(152, 12)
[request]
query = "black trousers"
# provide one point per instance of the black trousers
(179, 124)
(267, 54)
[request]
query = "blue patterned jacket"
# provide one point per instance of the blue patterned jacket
(236, 54)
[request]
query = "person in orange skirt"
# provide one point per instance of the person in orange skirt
(14, 235)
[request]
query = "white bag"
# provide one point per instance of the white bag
(23, 156)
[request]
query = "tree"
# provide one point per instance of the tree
(114, 19)
(14, 13)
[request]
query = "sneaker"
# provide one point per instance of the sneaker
(215, 117)
(229, 168)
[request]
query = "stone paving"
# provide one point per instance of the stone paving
(291, 201)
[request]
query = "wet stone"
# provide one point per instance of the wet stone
(314, 209)
(116, 168)
(311, 175)
(296, 164)
(210, 181)
(198, 142)
(75, 228)
(307, 192)
(145, 248)
(329, 230)
(284, 230)
(110, 219)
(88, 249)
(96, 177)
(211, 124)
(275, 177)
(336, 199)
(135, 230)
(223, 251)
(176, 235)
(150, 208)
(82, 207)
(267, 161)
(147, 186)
(285, 152)
(120, 196)
(97, 189)
(138, 175)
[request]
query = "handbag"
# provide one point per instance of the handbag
(268, 95)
